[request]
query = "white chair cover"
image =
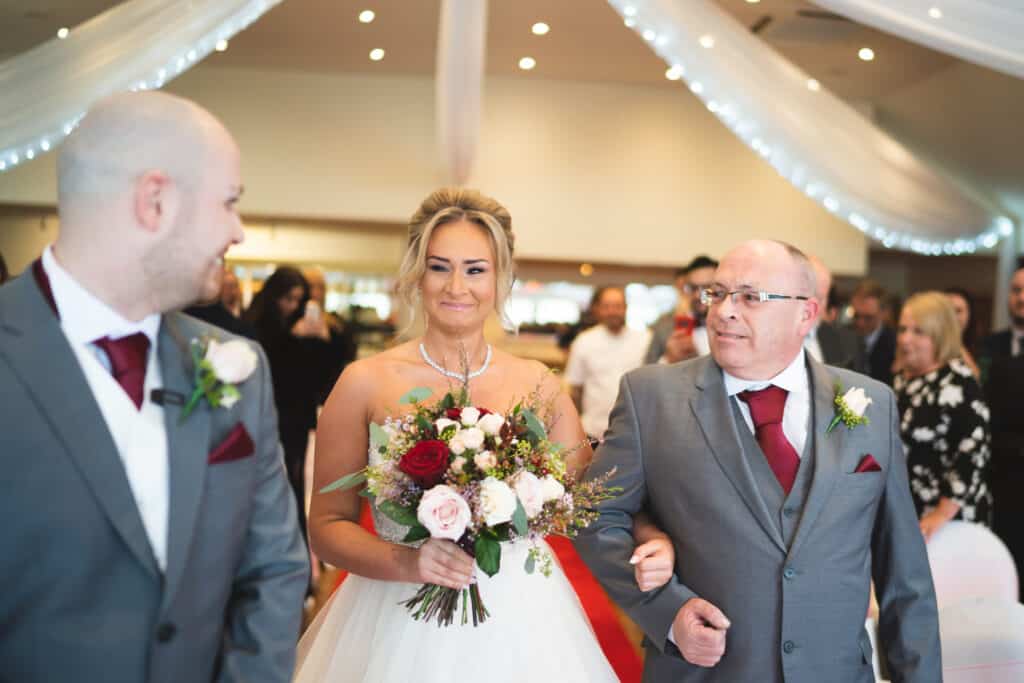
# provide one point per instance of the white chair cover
(969, 561)
(982, 641)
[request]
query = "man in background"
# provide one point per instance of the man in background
(600, 356)
(681, 334)
(826, 342)
(868, 303)
(1001, 360)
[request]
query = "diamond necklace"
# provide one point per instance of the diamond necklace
(456, 375)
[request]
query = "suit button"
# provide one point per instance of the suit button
(789, 512)
(789, 573)
(788, 646)
(165, 632)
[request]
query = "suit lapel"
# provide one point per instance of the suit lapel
(714, 415)
(32, 340)
(187, 446)
(827, 451)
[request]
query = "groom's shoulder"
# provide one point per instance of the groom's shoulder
(848, 379)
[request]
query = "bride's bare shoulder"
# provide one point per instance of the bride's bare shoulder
(366, 375)
(528, 375)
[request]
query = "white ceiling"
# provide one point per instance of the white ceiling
(967, 116)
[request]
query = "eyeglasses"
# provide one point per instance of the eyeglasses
(747, 297)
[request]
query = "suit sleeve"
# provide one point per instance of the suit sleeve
(656, 349)
(607, 544)
(265, 611)
(908, 616)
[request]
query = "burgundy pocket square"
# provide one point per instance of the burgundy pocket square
(867, 464)
(236, 446)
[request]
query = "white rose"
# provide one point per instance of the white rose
(491, 423)
(443, 423)
(485, 460)
(444, 513)
(456, 445)
(472, 438)
(458, 463)
(856, 401)
(551, 488)
(469, 416)
(497, 501)
(528, 487)
(233, 361)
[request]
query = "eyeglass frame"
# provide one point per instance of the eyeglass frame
(762, 296)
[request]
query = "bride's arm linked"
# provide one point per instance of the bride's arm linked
(654, 557)
(336, 537)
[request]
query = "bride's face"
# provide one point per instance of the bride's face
(459, 283)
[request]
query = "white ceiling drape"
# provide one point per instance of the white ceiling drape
(136, 45)
(822, 145)
(986, 32)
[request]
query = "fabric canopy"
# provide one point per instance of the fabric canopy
(986, 32)
(818, 142)
(136, 45)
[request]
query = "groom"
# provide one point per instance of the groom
(779, 525)
(139, 545)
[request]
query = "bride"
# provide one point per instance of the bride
(457, 271)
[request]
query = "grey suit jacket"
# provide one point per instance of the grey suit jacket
(83, 598)
(797, 612)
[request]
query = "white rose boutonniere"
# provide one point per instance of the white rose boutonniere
(850, 408)
(218, 368)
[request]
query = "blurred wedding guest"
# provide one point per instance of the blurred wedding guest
(1001, 357)
(600, 357)
(217, 314)
(826, 342)
(4, 275)
(944, 421)
(141, 543)
(963, 306)
(294, 337)
(868, 302)
(341, 348)
(231, 293)
(681, 334)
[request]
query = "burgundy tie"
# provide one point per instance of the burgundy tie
(128, 362)
(766, 408)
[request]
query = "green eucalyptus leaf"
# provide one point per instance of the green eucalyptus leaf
(397, 513)
(535, 426)
(488, 554)
(530, 565)
(378, 437)
(416, 533)
(416, 395)
(519, 518)
(346, 482)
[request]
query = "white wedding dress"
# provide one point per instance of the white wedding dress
(536, 631)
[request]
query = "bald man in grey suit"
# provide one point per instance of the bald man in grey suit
(779, 524)
(139, 544)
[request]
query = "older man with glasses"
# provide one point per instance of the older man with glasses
(783, 495)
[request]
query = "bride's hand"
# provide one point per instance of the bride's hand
(443, 563)
(653, 563)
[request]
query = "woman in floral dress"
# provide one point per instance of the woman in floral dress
(944, 421)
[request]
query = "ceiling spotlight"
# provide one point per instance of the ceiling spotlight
(753, 2)
(540, 29)
(707, 41)
(377, 54)
(674, 72)
(527, 63)
(866, 54)
(63, 32)
(586, 269)
(935, 13)
(366, 16)
(221, 45)
(813, 85)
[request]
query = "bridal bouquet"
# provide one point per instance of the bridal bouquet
(456, 471)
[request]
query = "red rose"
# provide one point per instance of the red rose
(456, 413)
(426, 462)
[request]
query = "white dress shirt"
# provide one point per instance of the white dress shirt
(597, 361)
(139, 434)
(793, 379)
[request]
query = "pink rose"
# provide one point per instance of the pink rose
(444, 513)
(530, 492)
